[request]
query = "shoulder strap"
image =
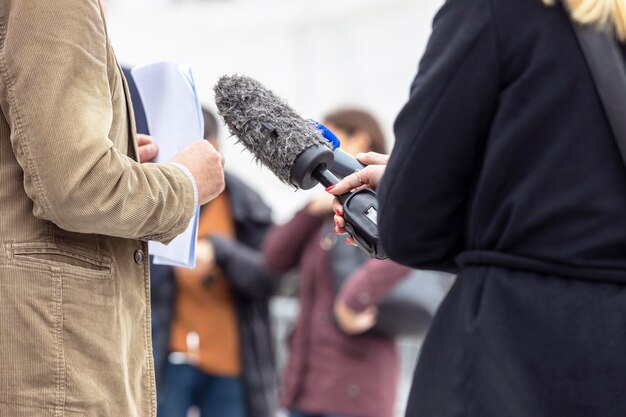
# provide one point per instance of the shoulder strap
(608, 70)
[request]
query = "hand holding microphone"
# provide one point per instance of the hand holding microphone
(294, 150)
(368, 177)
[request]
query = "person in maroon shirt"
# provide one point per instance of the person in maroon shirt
(334, 369)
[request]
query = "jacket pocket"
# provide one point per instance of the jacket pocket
(66, 260)
(31, 341)
(64, 322)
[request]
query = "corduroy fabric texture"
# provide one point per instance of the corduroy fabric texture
(75, 208)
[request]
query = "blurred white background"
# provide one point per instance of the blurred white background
(318, 55)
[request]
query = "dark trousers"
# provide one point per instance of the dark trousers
(299, 414)
(186, 386)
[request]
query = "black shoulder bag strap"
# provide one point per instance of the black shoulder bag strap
(608, 70)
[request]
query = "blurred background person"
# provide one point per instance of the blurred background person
(333, 369)
(212, 339)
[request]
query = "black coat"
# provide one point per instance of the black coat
(252, 284)
(505, 170)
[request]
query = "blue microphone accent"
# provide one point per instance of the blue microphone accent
(344, 164)
(328, 134)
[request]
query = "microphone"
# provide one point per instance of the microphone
(294, 150)
(344, 164)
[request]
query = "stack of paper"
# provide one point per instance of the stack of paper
(174, 117)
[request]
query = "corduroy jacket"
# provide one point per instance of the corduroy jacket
(75, 210)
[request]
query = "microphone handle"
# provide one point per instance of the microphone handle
(325, 176)
(360, 210)
(344, 164)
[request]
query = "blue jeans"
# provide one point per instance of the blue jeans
(186, 386)
(299, 414)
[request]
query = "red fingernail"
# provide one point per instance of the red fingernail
(329, 188)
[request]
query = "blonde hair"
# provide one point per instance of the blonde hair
(605, 13)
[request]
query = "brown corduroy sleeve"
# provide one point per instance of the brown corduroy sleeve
(56, 95)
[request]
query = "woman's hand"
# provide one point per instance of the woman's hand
(370, 177)
(353, 323)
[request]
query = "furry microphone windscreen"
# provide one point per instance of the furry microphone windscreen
(271, 130)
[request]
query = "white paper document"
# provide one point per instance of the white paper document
(174, 118)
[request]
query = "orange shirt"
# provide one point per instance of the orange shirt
(205, 321)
